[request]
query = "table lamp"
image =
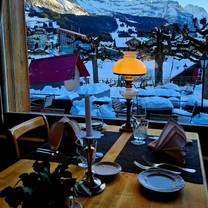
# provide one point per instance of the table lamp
(129, 66)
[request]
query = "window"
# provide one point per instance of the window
(47, 36)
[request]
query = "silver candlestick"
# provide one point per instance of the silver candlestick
(90, 185)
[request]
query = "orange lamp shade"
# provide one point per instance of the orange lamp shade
(129, 65)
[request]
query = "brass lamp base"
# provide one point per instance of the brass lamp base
(127, 126)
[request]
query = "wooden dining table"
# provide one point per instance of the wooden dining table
(123, 190)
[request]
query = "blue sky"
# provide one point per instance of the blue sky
(201, 3)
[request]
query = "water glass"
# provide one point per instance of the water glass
(139, 131)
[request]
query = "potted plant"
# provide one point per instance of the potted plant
(43, 188)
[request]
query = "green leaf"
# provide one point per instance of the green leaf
(42, 187)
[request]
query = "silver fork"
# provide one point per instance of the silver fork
(48, 151)
(145, 167)
(156, 165)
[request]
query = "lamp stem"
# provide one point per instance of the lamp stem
(128, 118)
(127, 126)
(128, 81)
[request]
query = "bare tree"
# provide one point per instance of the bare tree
(97, 50)
(160, 42)
(181, 42)
(194, 44)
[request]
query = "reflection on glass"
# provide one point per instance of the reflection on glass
(140, 126)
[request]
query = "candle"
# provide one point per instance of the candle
(88, 116)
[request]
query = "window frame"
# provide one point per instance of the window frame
(13, 46)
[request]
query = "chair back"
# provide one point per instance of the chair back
(16, 132)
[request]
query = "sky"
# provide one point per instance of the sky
(201, 3)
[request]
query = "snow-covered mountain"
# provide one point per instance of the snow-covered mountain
(59, 6)
(196, 11)
(168, 9)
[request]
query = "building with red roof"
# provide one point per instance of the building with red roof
(65, 68)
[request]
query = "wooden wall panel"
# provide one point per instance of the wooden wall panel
(16, 82)
(6, 58)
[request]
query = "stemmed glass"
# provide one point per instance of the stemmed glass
(140, 126)
(99, 154)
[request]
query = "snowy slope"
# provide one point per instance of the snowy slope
(170, 10)
(59, 6)
(196, 11)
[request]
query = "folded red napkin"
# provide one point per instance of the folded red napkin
(172, 141)
(64, 135)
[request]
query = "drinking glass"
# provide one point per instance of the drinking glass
(140, 126)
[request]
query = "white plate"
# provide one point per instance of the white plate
(106, 168)
(161, 181)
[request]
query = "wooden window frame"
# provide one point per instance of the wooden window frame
(14, 63)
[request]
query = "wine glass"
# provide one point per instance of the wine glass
(99, 127)
(140, 126)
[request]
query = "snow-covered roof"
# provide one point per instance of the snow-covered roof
(56, 68)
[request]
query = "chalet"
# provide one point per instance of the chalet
(65, 69)
(39, 51)
(189, 75)
(38, 39)
(68, 42)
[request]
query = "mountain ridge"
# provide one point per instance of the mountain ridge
(170, 10)
(99, 24)
(59, 6)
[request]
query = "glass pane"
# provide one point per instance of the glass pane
(72, 48)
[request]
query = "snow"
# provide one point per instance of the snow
(197, 11)
(171, 68)
(121, 42)
(155, 103)
(147, 98)
(37, 21)
(146, 92)
(171, 86)
(179, 111)
(201, 118)
(60, 93)
(170, 10)
(104, 111)
(93, 89)
(166, 92)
